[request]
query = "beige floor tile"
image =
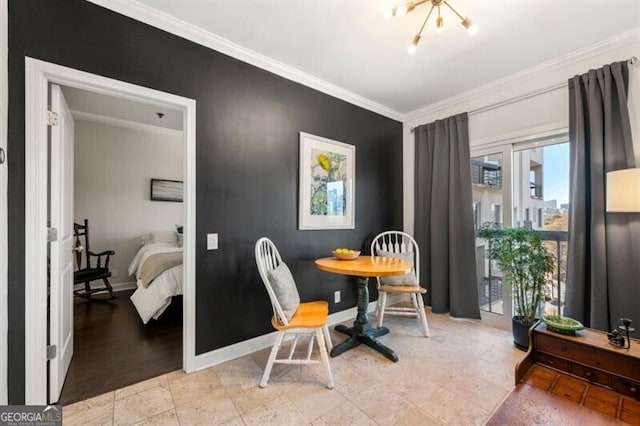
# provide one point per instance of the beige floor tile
(311, 397)
(142, 405)
(236, 421)
(498, 373)
(344, 414)
(193, 385)
(168, 418)
(451, 409)
(97, 410)
(277, 412)
(382, 404)
(141, 386)
(414, 417)
(456, 376)
(214, 407)
(485, 394)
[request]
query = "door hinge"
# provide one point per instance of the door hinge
(52, 118)
(52, 234)
(52, 352)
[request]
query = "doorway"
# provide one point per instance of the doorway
(522, 182)
(118, 148)
(39, 75)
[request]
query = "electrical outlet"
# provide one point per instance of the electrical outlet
(336, 297)
(212, 241)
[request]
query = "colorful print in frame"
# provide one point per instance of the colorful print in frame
(327, 176)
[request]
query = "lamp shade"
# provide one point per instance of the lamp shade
(623, 190)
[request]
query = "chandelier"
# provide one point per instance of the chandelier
(408, 7)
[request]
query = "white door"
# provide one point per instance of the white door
(61, 250)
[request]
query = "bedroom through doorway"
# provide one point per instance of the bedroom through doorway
(128, 174)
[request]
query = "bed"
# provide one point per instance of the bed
(158, 270)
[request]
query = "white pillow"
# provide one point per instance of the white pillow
(285, 289)
(160, 237)
(407, 279)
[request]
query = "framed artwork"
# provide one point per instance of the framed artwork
(166, 190)
(327, 184)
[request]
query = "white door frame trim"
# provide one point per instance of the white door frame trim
(38, 74)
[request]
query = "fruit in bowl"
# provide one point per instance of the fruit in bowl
(346, 254)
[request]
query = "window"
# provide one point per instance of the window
(496, 209)
(477, 215)
(540, 218)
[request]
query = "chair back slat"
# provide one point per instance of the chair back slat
(267, 259)
(397, 242)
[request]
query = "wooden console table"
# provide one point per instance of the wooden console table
(574, 377)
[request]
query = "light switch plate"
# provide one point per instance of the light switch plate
(336, 297)
(212, 241)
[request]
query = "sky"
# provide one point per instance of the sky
(556, 173)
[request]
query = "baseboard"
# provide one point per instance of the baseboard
(247, 347)
(130, 285)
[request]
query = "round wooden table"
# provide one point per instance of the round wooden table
(364, 267)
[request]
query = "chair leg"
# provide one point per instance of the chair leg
(324, 356)
(272, 358)
(422, 314)
(327, 337)
(382, 301)
(109, 288)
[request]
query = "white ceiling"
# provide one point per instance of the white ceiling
(96, 106)
(349, 44)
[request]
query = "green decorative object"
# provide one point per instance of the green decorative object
(562, 325)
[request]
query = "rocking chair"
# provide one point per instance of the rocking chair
(98, 270)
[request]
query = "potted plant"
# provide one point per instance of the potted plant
(525, 264)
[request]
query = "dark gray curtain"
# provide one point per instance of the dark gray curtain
(444, 217)
(603, 271)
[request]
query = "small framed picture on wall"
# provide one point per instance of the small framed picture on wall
(167, 190)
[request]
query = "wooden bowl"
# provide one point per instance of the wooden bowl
(346, 256)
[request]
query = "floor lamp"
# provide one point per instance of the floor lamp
(623, 196)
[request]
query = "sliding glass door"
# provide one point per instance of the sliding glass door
(525, 184)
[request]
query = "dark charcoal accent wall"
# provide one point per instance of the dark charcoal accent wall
(248, 121)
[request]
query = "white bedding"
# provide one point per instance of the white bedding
(150, 302)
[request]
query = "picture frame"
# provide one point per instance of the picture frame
(167, 190)
(327, 184)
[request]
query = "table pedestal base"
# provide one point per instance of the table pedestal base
(368, 338)
(361, 332)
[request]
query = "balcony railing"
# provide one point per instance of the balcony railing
(536, 190)
(556, 243)
(487, 174)
(490, 287)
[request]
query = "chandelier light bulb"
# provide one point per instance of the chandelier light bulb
(401, 10)
(470, 26)
(414, 45)
(439, 25)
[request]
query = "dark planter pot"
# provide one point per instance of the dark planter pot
(520, 333)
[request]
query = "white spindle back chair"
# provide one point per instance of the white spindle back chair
(400, 242)
(309, 320)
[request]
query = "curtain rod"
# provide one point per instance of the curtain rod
(631, 61)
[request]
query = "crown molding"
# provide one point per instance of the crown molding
(545, 67)
(118, 122)
(148, 15)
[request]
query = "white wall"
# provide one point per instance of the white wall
(545, 112)
(113, 168)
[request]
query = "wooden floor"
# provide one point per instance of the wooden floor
(113, 348)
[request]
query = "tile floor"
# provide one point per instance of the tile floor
(458, 376)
